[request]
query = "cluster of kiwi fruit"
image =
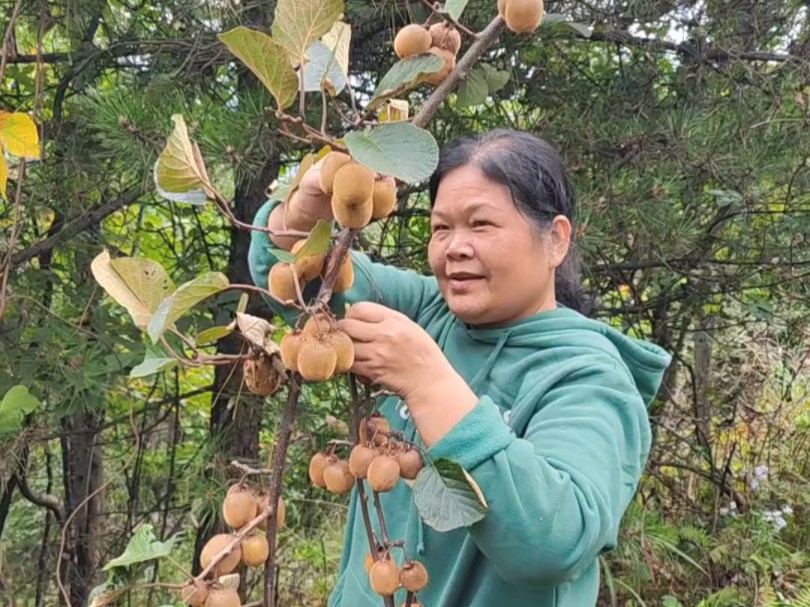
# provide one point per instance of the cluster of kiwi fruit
(378, 460)
(242, 504)
(318, 351)
(440, 39)
(521, 16)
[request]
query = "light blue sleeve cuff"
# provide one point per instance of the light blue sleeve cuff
(476, 437)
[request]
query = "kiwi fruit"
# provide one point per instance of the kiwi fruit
(223, 597)
(255, 550)
(290, 345)
(317, 358)
(410, 463)
(384, 577)
(413, 576)
(281, 282)
(239, 508)
(261, 376)
(345, 277)
(355, 218)
(523, 16)
(337, 477)
(354, 185)
(383, 473)
(279, 514)
(318, 323)
(317, 466)
(331, 163)
(344, 347)
(309, 266)
(194, 595)
(384, 197)
(436, 78)
(376, 428)
(360, 459)
(445, 36)
(412, 39)
(213, 547)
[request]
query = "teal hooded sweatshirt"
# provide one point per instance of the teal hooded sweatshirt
(557, 444)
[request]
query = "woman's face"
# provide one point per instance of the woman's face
(491, 266)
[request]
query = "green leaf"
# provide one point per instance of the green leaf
(473, 89)
(317, 241)
(322, 64)
(16, 404)
(403, 74)
(496, 79)
(454, 8)
(558, 22)
(138, 284)
(183, 299)
(142, 547)
(398, 149)
(444, 497)
(213, 334)
(298, 23)
(264, 57)
(282, 255)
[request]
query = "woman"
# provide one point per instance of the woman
(494, 368)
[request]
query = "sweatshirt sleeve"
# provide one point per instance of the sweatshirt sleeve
(402, 290)
(556, 495)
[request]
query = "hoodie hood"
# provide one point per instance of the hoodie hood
(645, 361)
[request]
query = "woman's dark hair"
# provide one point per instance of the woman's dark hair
(541, 189)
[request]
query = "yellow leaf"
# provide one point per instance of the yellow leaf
(265, 58)
(179, 172)
(3, 174)
(298, 23)
(138, 284)
(19, 134)
(338, 39)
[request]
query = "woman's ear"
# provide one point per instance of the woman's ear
(560, 239)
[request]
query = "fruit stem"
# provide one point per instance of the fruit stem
(277, 466)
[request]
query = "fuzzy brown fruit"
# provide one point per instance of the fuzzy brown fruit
(523, 16)
(412, 39)
(239, 508)
(309, 266)
(355, 218)
(194, 595)
(436, 78)
(384, 577)
(385, 197)
(345, 277)
(413, 576)
(375, 427)
(445, 36)
(214, 546)
(281, 282)
(383, 473)
(261, 376)
(255, 550)
(354, 184)
(331, 163)
(318, 323)
(360, 459)
(223, 597)
(337, 477)
(317, 359)
(317, 466)
(290, 345)
(344, 347)
(280, 514)
(410, 463)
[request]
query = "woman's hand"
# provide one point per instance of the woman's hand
(392, 350)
